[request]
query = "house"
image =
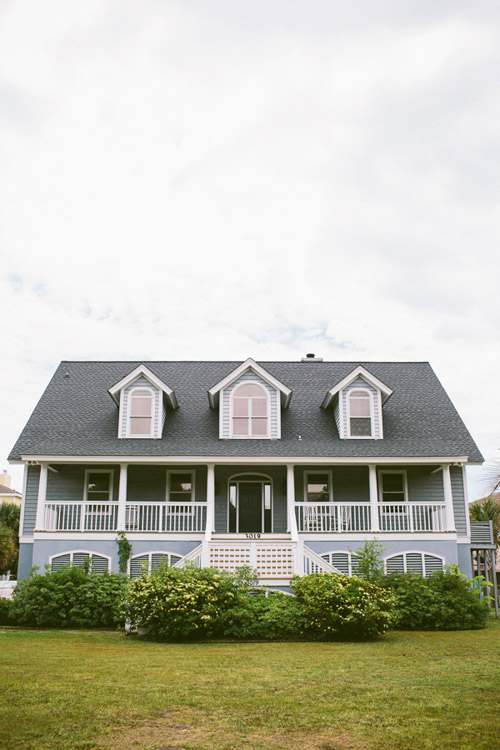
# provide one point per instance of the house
(288, 467)
(7, 494)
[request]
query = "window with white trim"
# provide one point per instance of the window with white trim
(318, 487)
(393, 487)
(145, 563)
(420, 563)
(180, 486)
(98, 486)
(140, 412)
(250, 411)
(359, 413)
(96, 563)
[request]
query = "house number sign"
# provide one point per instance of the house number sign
(253, 536)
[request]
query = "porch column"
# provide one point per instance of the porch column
(42, 496)
(210, 502)
(372, 477)
(290, 502)
(122, 498)
(448, 499)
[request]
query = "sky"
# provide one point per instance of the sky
(219, 179)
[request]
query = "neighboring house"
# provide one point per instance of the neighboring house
(7, 494)
(288, 467)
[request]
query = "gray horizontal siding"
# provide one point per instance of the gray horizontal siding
(30, 500)
(68, 485)
(459, 508)
(149, 483)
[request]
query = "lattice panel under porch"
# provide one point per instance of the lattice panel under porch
(229, 558)
(275, 562)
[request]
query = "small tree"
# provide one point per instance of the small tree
(487, 509)
(370, 564)
(9, 537)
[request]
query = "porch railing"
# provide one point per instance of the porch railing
(165, 517)
(347, 517)
(162, 517)
(81, 516)
(336, 517)
(412, 517)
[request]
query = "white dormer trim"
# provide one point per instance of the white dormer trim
(362, 372)
(249, 364)
(116, 390)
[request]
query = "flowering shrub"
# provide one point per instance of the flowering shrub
(69, 597)
(182, 603)
(336, 605)
(445, 601)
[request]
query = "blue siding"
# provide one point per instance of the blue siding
(459, 509)
(31, 499)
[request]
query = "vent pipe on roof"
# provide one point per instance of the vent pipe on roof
(312, 358)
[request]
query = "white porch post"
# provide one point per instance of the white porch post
(372, 477)
(122, 498)
(209, 528)
(42, 496)
(448, 499)
(290, 502)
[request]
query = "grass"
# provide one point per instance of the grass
(83, 690)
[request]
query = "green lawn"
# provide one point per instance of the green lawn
(73, 690)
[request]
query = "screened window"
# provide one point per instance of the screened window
(141, 402)
(317, 487)
(360, 421)
(180, 486)
(99, 486)
(393, 487)
(250, 411)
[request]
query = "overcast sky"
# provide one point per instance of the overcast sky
(210, 179)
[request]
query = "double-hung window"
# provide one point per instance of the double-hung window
(359, 413)
(141, 405)
(250, 407)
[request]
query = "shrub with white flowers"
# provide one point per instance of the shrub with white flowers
(341, 606)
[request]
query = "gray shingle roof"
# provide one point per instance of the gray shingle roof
(76, 415)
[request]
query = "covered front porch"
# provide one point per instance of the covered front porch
(249, 501)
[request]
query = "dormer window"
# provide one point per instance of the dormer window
(357, 402)
(360, 409)
(141, 412)
(143, 400)
(250, 407)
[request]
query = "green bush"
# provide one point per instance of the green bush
(183, 603)
(5, 611)
(341, 606)
(277, 616)
(69, 597)
(445, 601)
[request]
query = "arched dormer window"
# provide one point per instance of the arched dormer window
(140, 415)
(360, 413)
(250, 411)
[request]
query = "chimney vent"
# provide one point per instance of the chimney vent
(312, 358)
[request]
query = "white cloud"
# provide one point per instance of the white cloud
(219, 179)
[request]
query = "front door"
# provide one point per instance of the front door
(250, 507)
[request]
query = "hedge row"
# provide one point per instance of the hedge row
(193, 604)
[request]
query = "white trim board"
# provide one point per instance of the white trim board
(226, 460)
(249, 364)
